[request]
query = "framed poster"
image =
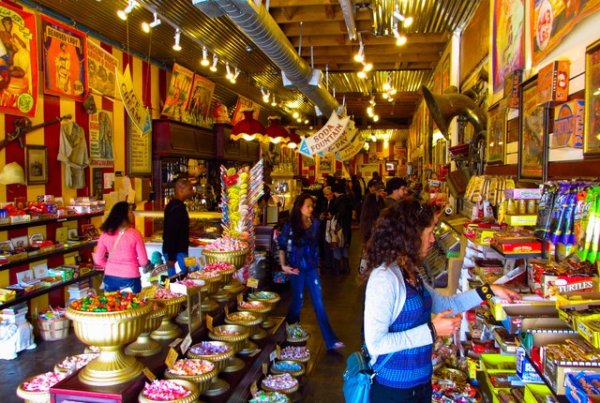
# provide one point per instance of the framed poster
(242, 104)
(532, 133)
(178, 92)
(198, 106)
(19, 89)
(36, 165)
(139, 150)
(496, 133)
(508, 43)
(327, 164)
(101, 139)
(102, 67)
(592, 100)
(64, 51)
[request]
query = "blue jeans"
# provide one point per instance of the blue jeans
(386, 394)
(114, 283)
(311, 280)
(180, 258)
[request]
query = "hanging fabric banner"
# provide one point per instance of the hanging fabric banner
(326, 137)
(351, 150)
(345, 140)
(133, 103)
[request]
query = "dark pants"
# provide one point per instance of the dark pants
(113, 283)
(385, 394)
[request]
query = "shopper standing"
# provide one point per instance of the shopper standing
(120, 250)
(372, 206)
(342, 210)
(396, 189)
(299, 258)
(399, 305)
(176, 228)
(325, 213)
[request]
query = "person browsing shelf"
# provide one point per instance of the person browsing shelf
(176, 228)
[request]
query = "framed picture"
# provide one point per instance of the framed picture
(496, 133)
(36, 165)
(592, 100)
(533, 133)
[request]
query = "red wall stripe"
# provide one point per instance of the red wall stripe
(82, 119)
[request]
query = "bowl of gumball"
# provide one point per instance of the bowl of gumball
(169, 391)
(198, 371)
(108, 322)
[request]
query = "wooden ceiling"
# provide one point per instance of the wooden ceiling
(318, 24)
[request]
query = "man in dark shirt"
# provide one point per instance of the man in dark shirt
(396, 189)
(177, 227)
(371, 207)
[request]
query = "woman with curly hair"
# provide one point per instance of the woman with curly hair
(299, 258)
(398, 324)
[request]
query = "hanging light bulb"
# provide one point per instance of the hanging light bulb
(385, 95)
(204, 62)
(177, 46)
(130, 6)
(213, 68)
(235, 75)
(228, 75)
(359, 57)
(306, 121)
(376, 118)
(299, 120)
(401, 40)
(265, 95)
(367, 67)
(274, 101)
(295, 114)
(361, 74)
(370, 111)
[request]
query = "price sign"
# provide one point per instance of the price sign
(265, 368)
(278, 350)
(273, 355)
(209, 322)
(252, 283)
(253, 389)
(171, 357)
(175, 342)
(190, 261)
(151, 377)
(167, 283)
(186, 343)
(240, 298)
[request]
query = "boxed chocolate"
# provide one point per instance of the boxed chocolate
(553, 82)
(569, 125)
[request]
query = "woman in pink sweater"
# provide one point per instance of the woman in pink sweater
(120, 250)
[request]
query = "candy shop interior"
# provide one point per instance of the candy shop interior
(178, 124)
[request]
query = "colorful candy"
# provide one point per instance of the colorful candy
(222, 331)
(43, 382)
(76, 362)
(285, 366)
(191, 367)
(109, 302)
(219, 266)
(227, 244)
(295, 353)
(269, 397)
(205, 275)
(209, 348)
(163, 293)
(162, 390)
(252, 305)
(188, 283)
(241, 317)
(280, 382)
(262, 295)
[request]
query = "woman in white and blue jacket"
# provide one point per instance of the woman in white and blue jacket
(399, 306)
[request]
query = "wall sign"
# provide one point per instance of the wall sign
(139, 151)
(102, 67)
(132, 102)
(101, 139)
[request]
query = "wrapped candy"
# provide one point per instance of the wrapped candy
(163, 293)
(294, 353)
(164, 390)
(191, 367)
(280, 382)
(43, 382)
(209, 348)
(269, 397)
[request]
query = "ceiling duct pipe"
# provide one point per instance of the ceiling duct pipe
(348, 12)
(261, 28)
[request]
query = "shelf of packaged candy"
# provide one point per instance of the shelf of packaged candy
(45, 253)
(47, 219)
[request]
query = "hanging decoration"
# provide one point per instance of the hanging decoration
(345, 140)
(19, 72)
(102, 67)
(325, 137)
(350, 151)
(276, 133)
(64, 50)
(178, 93)
(249, 128)
(139, 115)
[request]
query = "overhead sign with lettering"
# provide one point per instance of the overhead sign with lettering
(351, 150)
(134, 106)
(345, 140)
(326, 137)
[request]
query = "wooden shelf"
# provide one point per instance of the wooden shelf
(46, 221)
(42, 291)
(57, 252)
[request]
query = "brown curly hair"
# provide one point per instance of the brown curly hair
(396, 236)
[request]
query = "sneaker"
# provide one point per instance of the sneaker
(338, 345)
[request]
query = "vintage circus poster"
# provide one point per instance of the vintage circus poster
(64, 50)
(18, 62)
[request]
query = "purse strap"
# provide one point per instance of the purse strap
(381, 365)
(121, 232)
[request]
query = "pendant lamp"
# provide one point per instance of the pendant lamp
(248, 128)
(276, 132)
(294, 138)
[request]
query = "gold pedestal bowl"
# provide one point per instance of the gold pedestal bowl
(236, 257)
(145, 346)
(236, 336)
(168, 330)
(109, 331)
(212, 280)
(251, 321)
(234, 287)
(191, 398)
(217, 386)
(269, 297)
(202, 381)
(294, 373)
(30, 396)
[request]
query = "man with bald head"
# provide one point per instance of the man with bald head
(176, 227)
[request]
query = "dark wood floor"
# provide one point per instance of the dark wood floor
(343, 302)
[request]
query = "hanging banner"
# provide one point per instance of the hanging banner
(244, 103)
(133, 103)
(326, 137)
(101, 139)
(178, 93)
(351, 150)
(345, 140)
(102, 67)
(198, 107)
(19, 72)
(65, 73)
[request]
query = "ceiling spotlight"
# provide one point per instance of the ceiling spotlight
(229, 75)
(376, 118)
(265, 95)
(145, 27)
(401, 40)
(359, 57)
(156, 21)
(274, 102)
(204, 62)
(295, 114)
(361, 74)
(393, 91)
(372, 100)
(305, 121)
(367, 67)
(176, 45)
(213, 68)
(406, 21)
(130, 6)
(299, 120)
(235, 75)
(373, 138)
(370, 111)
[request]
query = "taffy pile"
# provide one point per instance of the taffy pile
(76, 362)
(226, 244)
(43, 382)
(165, 390)
(163, 293)
(208, 348)
(241, 317)
(109, 302)
(295, 353)
(191, 367)
(279, 382)
(219, 266)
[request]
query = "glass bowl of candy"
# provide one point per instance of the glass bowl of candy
(169, 391)
(283, 383)
(287, 366)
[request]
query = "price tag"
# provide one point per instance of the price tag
(265, 368)
(175, 342)
(240, 298)
(278, 350)
(209, 322)
(171, 357)
(273, 355)
(151, 377)
(190, 261)
(186, 343)
(167, 283)
(253, 389)
(252, 283)
(226, 310)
